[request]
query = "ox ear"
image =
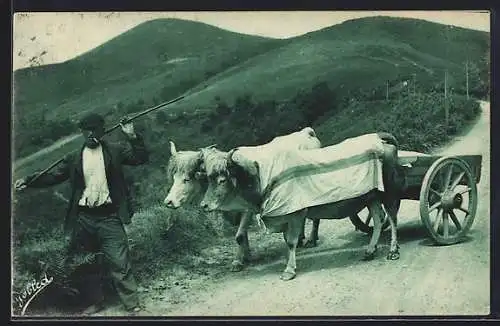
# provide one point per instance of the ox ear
(250, 167)
(173, 150)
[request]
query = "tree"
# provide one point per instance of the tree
(478, 85)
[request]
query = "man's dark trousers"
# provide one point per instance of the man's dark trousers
(103, 230)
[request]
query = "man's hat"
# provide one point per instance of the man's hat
(91, 121)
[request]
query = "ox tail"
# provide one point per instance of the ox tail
(389, 138)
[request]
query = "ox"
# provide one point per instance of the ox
(234, 185)
(189, 183)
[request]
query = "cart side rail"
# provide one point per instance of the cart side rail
(416, 173)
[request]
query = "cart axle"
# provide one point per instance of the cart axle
(451, 200)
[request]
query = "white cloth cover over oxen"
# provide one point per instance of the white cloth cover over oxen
(296, 179)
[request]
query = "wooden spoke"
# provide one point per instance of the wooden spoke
(435, 192)
(448, 177)
(457, 180)
(464, 191)
(455, 220)
(445, 224)
(437, 220)
(435, 206)
(464, 210)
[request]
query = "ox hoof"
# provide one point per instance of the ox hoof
(287, 276)
(368, 256)
(310, 243)
(237, 266)
(393, 255)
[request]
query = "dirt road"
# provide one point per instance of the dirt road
(22, 161)
(332, 280)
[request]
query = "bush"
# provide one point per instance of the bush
(417, 120)
(158, 234)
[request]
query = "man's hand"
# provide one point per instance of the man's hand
(21, 184)
(127, 127)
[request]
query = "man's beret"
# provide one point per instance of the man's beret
(91, 121)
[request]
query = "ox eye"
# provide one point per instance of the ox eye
(187, 179)
(221, 180)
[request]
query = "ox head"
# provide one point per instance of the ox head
(185, 171)
(229, 180)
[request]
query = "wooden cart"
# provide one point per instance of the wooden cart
(446, 187)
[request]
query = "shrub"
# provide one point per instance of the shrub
(158, 234)
(418, 120)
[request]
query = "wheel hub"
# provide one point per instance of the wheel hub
(451, 200)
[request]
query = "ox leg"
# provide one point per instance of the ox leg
(243, 253)
(391, 215)
(292, 238)
(313, 236)
(376, 211)
(395, 184)
(302, 236)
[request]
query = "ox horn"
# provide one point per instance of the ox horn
(209, 147)
(173, 150)
(230, 154)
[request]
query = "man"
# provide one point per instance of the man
(100, 204)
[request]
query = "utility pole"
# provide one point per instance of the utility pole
(446, 113)
(467, 77)
(414, 82)
(387, 90)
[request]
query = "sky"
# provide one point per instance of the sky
(59, 36)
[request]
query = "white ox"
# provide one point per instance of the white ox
(240, 183)
(189, 183)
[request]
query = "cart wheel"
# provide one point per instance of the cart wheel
(363, 221)
(448, 200)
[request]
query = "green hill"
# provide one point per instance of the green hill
(358, 54)
(163, 58)
(156, 60)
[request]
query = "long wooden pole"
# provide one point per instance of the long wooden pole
(50, 167)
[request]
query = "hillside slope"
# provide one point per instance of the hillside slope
(154, 61)
(162, 58)
(361, 54)
(175, 50)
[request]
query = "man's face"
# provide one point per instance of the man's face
(92, 136)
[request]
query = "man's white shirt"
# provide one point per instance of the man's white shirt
(96, 191)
